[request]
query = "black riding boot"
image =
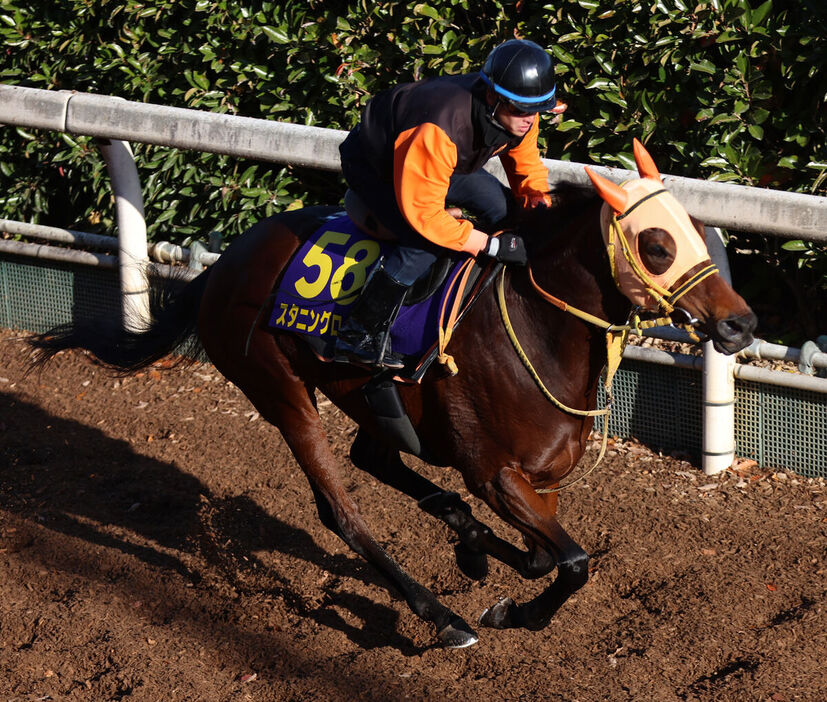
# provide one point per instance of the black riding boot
(365, 335)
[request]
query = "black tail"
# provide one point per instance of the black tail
(172, 327)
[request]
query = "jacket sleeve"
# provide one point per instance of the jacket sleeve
(424, 160)
(523, 167)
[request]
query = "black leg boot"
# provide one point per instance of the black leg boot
(365, 335)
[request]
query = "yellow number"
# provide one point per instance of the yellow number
(357, 268)
(316, 257)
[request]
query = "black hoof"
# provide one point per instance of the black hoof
(457, 634)
(474, 565)
(499, 616)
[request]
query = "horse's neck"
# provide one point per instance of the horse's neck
(575, 269)
(567, 350)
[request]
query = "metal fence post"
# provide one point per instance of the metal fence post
(718, 383)
(132, 246)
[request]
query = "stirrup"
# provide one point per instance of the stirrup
(365, 352)
(389, 360)
(392, 360)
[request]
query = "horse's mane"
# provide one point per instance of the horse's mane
(543, 229)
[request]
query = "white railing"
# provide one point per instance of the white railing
(762, 211)
(738, 207)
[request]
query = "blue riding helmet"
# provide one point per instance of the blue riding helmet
(522, 74)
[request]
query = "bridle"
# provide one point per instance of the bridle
(663, 296)
(616, 334)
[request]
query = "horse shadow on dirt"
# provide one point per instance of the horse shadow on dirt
(68, 477)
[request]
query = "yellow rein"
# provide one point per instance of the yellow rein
(615, 342)
(616, 335)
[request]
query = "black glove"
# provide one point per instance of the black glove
(507, 248)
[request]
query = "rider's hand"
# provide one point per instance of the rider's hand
(557, 111)
(535, 198)
(507, 248)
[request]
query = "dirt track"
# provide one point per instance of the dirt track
(158, 542)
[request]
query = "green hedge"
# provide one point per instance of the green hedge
(727, 90)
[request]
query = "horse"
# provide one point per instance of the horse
(490, 421)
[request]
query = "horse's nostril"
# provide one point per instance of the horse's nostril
(737, 327)
(731, 328)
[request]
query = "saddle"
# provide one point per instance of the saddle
(326, 274)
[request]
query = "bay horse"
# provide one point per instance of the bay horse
(490, 421)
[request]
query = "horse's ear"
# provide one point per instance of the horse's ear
(612, 193)
(645, 165)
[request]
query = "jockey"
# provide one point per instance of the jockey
(422, 145)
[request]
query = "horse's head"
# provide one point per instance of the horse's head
(659, 257)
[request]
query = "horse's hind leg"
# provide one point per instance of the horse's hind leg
(385, 464)
(289, 405)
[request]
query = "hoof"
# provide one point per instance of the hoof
(498, 616)
(473, 565)
(457, 634)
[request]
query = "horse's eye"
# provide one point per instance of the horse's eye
(657, 249)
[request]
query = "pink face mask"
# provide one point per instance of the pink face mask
(651, 206)
(631, 208)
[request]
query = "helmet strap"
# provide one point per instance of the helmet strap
(492, 117)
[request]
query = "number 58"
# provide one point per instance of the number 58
(317, 258)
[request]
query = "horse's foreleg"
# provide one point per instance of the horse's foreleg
(303, 432)
(476, 540)
(385, 464)
(513, 498)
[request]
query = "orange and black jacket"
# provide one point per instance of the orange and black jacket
(417, 135)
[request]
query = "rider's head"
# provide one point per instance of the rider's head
(520, 79)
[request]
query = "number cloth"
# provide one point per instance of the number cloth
(326, 275)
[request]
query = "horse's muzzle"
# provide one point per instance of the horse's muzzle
(734, 333)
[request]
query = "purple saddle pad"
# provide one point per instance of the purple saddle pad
(324, 279)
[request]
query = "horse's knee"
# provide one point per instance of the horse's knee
(540, 562)
(574, 569)
(449, 507)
